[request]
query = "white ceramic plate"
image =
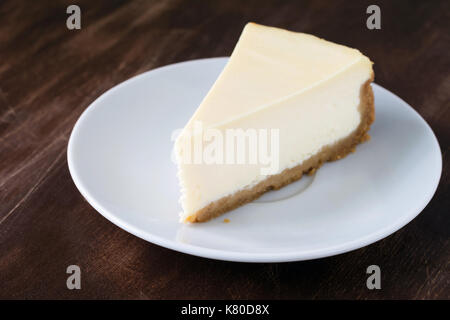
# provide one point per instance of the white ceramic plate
(119, 156)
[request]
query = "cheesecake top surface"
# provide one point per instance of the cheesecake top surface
(269, 65)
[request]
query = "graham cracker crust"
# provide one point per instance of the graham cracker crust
(332, 152)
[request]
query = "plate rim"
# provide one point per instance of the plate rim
(236, 256)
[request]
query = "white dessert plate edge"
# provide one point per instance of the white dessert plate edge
(226, 254)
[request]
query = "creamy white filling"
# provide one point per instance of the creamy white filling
(307, 122)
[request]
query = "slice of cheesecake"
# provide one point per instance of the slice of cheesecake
(285, 103)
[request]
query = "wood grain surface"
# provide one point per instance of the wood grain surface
(49, 75)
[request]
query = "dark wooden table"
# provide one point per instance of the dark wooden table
(49, 75)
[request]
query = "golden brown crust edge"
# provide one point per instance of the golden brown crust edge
(333, 152)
